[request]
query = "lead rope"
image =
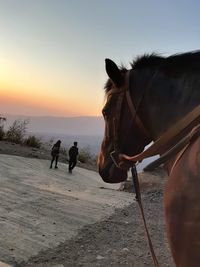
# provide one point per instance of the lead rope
(139, 200)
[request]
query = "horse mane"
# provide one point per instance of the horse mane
(189, 61)
(147, 61)
(174, 64)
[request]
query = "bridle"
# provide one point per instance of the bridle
(124, 94)
(171, 142)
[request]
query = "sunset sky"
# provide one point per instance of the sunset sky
(52, 51)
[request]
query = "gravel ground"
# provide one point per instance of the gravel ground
(117, 241)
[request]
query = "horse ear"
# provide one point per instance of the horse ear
(113, 72)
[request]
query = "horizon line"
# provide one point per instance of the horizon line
(51, 116)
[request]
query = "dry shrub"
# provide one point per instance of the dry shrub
(2, 131)
(85, 155)
(17, 131)
(33, 141)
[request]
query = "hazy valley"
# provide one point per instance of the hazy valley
(88, 131)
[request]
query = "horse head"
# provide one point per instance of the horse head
(158, 96)
(122, 134)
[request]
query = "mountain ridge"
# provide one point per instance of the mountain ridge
(82, 125)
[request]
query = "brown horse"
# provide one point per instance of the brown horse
(162, 91)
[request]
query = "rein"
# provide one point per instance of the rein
(163, 144)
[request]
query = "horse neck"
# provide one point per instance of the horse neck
(164, 99)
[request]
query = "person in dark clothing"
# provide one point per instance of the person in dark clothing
(55, 154)
(73, 153)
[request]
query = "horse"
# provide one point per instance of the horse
(158, 99)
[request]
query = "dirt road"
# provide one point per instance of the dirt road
(42, 207)
(117, 241)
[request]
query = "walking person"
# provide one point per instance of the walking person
(55, 154)
(73, 153)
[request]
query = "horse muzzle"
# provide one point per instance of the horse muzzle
(111, 173)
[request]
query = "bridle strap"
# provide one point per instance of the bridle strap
(132, 108)
(189, 139)
(178, 148)
(125, 90)
(116, 121)
(134, 114)
(163, 143)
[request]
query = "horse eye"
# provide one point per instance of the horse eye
(105, 112)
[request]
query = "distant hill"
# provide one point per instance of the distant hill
(62, 125)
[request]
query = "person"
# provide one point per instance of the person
(73, 153)
(55, 154)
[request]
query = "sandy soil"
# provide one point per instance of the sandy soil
(115, 240)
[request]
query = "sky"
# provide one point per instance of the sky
(52, 52)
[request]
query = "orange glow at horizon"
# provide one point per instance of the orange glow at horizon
(41, 103)
(25, 90)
